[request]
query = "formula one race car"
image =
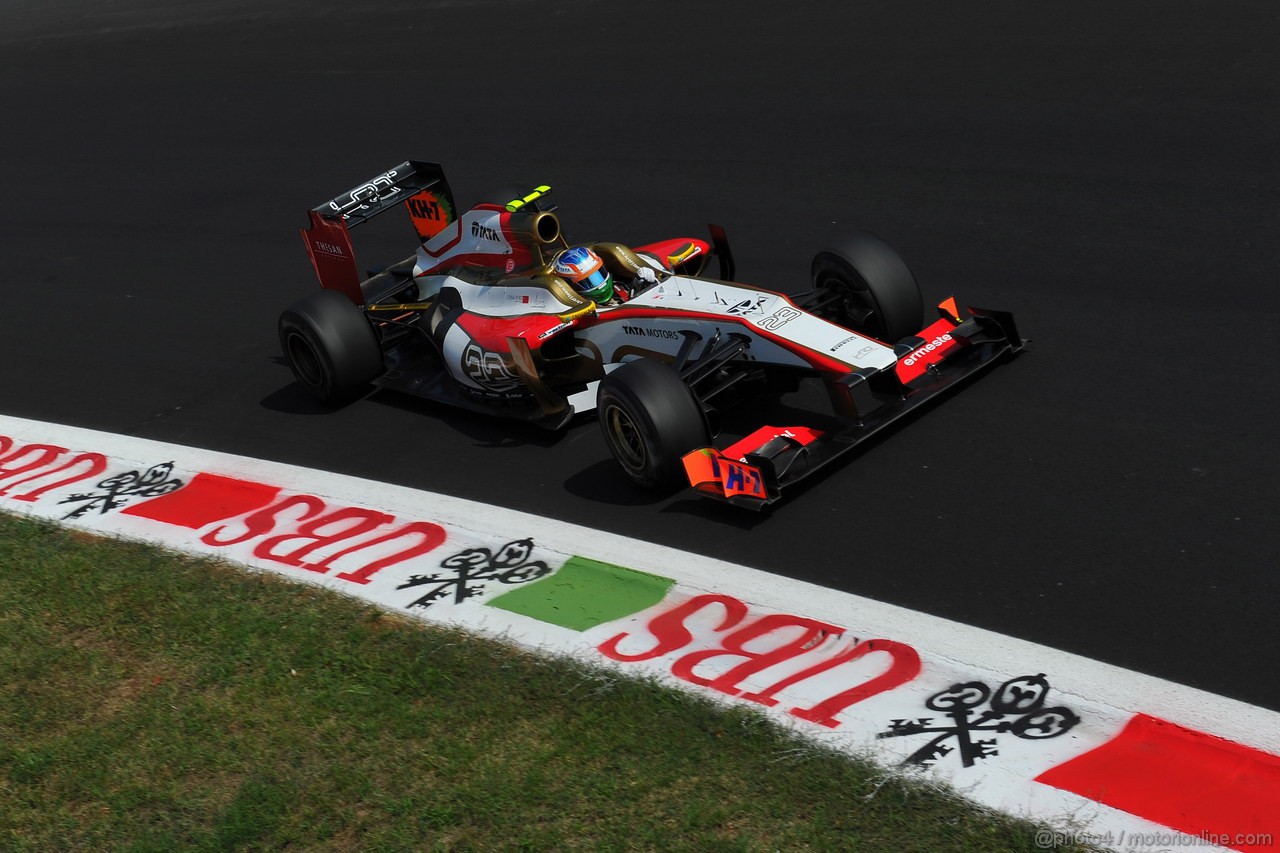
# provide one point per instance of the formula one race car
(480, 318)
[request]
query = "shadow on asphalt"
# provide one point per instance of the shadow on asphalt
(604, 482)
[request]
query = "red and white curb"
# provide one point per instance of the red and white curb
(1103, 755)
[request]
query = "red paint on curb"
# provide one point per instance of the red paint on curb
(1186, 780)
(207, 498)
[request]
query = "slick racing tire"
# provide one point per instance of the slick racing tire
(650, 419)
(878, 294)
(332, 349)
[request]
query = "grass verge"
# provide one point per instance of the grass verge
(155, 702)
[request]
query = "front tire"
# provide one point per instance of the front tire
(332, 349)
(876, 293)
(650, 420)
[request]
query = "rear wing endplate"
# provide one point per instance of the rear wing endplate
(421, 187)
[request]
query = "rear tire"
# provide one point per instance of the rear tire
(650, 420)
(878, 295)
(332, 349)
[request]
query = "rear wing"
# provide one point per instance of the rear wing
(421, 187)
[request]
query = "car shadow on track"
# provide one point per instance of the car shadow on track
(485, 431)
(716, 512)
(293, 399)
(603, 482)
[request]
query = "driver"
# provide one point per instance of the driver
(585, 270)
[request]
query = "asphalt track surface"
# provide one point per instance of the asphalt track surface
(1107, 171)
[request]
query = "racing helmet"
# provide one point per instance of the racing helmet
(583, 269)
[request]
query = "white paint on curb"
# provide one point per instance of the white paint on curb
(951, 652)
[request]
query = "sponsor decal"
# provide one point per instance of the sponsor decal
(538, 298)
(115, 492)
(488, 369)
(329, 248)
(749, 306)
(424, 208)
(469, 570)
(732, 477)
(368, 192)
(484, 232)
(1015, 707)
(847, 340)
(557, 328)
(866, 350)
(511, 264)
(211, 513)
(298, 530)
(932, 345)
(739, 478)
(430, 212)
(709, 627)
(646, 332)
(28, 471)
(937, 342)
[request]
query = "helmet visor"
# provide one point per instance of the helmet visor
(597, 286)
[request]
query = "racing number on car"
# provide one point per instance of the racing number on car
(779, 318)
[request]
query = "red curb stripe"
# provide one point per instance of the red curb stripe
(1184, 779)
(207, 498)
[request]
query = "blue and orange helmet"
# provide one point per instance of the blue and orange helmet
(583, 269)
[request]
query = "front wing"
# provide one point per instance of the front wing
(753, 472)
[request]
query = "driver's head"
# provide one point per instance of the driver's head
(583, 269)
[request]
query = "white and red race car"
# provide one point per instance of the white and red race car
(477, 318)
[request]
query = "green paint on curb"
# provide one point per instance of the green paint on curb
(585, 593)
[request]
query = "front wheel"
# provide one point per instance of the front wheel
(650, 420)
(332, 349)
(874, 291)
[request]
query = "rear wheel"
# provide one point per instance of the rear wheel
(332, 349)
(874, 291)
(650, 420)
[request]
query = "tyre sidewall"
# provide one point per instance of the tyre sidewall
(330, 346)
(867, 264)
(668, 420)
